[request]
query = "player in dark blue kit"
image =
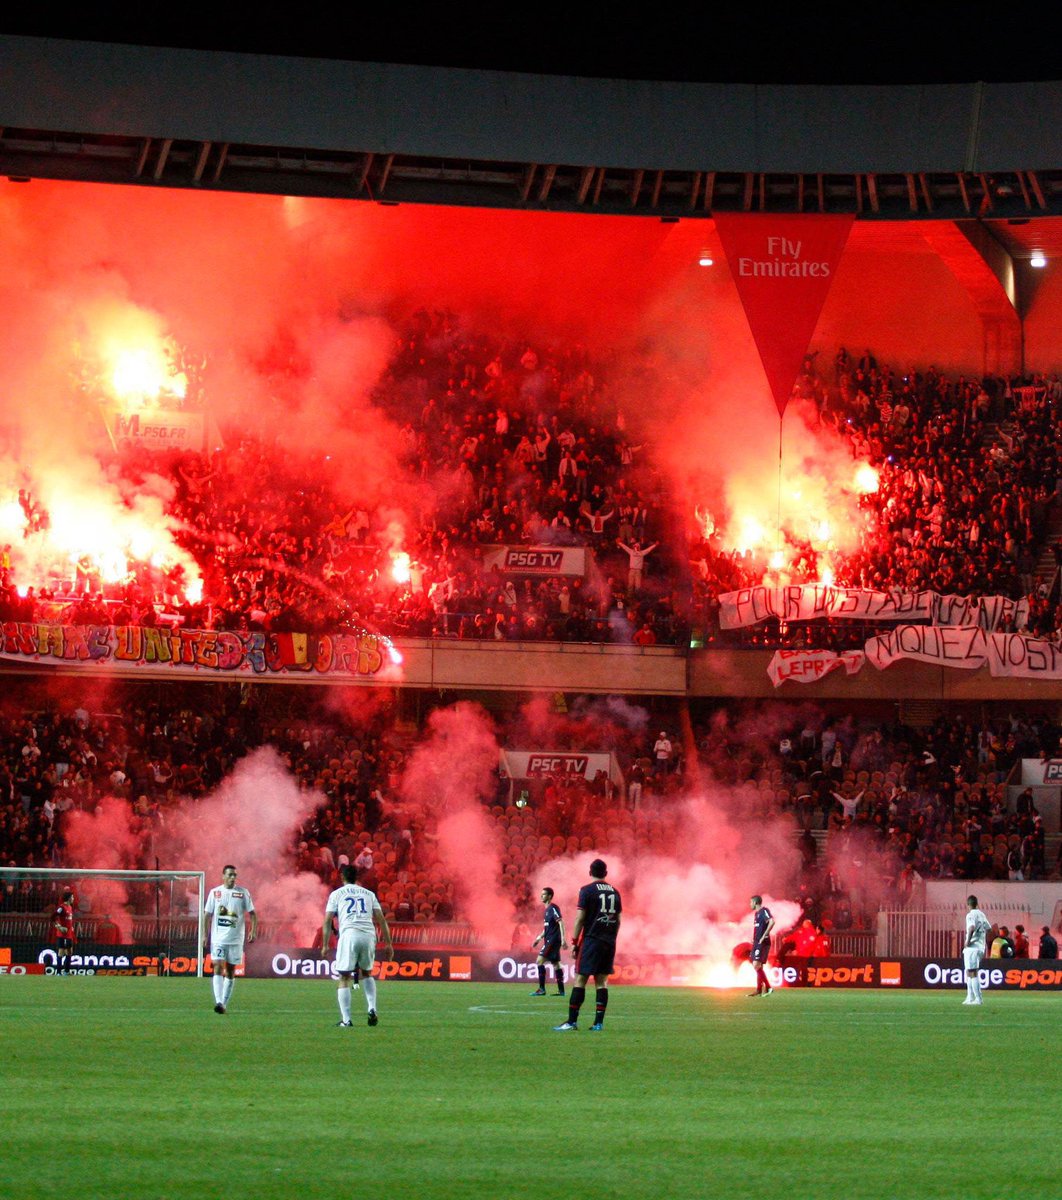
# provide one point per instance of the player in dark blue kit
(762, 924)
(553, 941)
(594, 945)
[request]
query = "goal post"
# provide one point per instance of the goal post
(153, 916)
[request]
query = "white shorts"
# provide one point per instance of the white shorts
(356, 948)
(230, 952)
(971, 957)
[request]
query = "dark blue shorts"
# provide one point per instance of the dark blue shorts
(551, 952)
(596, 957)
(758, 955)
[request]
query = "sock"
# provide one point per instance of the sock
(226, 989)
(216, 980)
(600, 1004)
(542, 977)
(559, 972)
(761, 980)
(977, 988)
(575, 1003)
(969, 988)
(368, 986)
(343, 994)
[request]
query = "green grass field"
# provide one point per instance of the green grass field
(135, 1088)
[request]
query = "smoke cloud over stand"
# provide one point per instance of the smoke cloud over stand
(449, 776)
(249, 821)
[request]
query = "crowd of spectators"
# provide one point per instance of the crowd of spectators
(968, 474)
(498, 443)
(881, 808)
(874, 810)
(503, 443)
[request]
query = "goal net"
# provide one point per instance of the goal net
(128, 922)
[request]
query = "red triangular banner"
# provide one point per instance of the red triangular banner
(783, 268)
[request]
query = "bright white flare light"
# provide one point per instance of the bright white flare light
(1038, 260)
(866, 479)
(400, 567)
(143, 373)
(724, 975)
(752, 534)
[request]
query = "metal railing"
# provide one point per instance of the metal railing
(906, 933)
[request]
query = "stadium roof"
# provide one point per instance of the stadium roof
(894, 44)
(905, 114)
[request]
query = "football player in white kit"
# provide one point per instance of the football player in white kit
(977, 927)
(358, 914)
(227, 907)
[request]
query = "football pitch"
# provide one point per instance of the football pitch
(136, 1088)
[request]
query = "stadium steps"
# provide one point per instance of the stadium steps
(1052, 841)
(1046, 567)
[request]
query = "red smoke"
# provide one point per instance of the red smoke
(450, 776)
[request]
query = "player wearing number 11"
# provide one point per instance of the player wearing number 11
(358, 913)
(594, 945)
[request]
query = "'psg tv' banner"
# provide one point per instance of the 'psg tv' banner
(540, 764)
(814, 601)
(783, 268)
(196, 652)
(537, 560)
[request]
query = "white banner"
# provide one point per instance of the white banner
(157, 429)
(810, 601)
(805, 666)
(536, 560)
(1030, 904)
(532, 764)
(1038, 772)
(1007, 655)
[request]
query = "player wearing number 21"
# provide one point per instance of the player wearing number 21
(358, 913)
(597, 923)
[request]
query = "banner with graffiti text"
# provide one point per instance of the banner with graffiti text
(198, 652)
(806, 666)
(814, 601)
(1007, 655)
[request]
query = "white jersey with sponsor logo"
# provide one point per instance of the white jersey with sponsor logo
(977, 927)
(227, 908)
(353, 907)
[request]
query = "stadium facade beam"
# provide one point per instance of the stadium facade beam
(316, 117)
(986, 271)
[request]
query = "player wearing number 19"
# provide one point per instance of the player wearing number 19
(358, 913)
(594, 936)
(227, 907)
